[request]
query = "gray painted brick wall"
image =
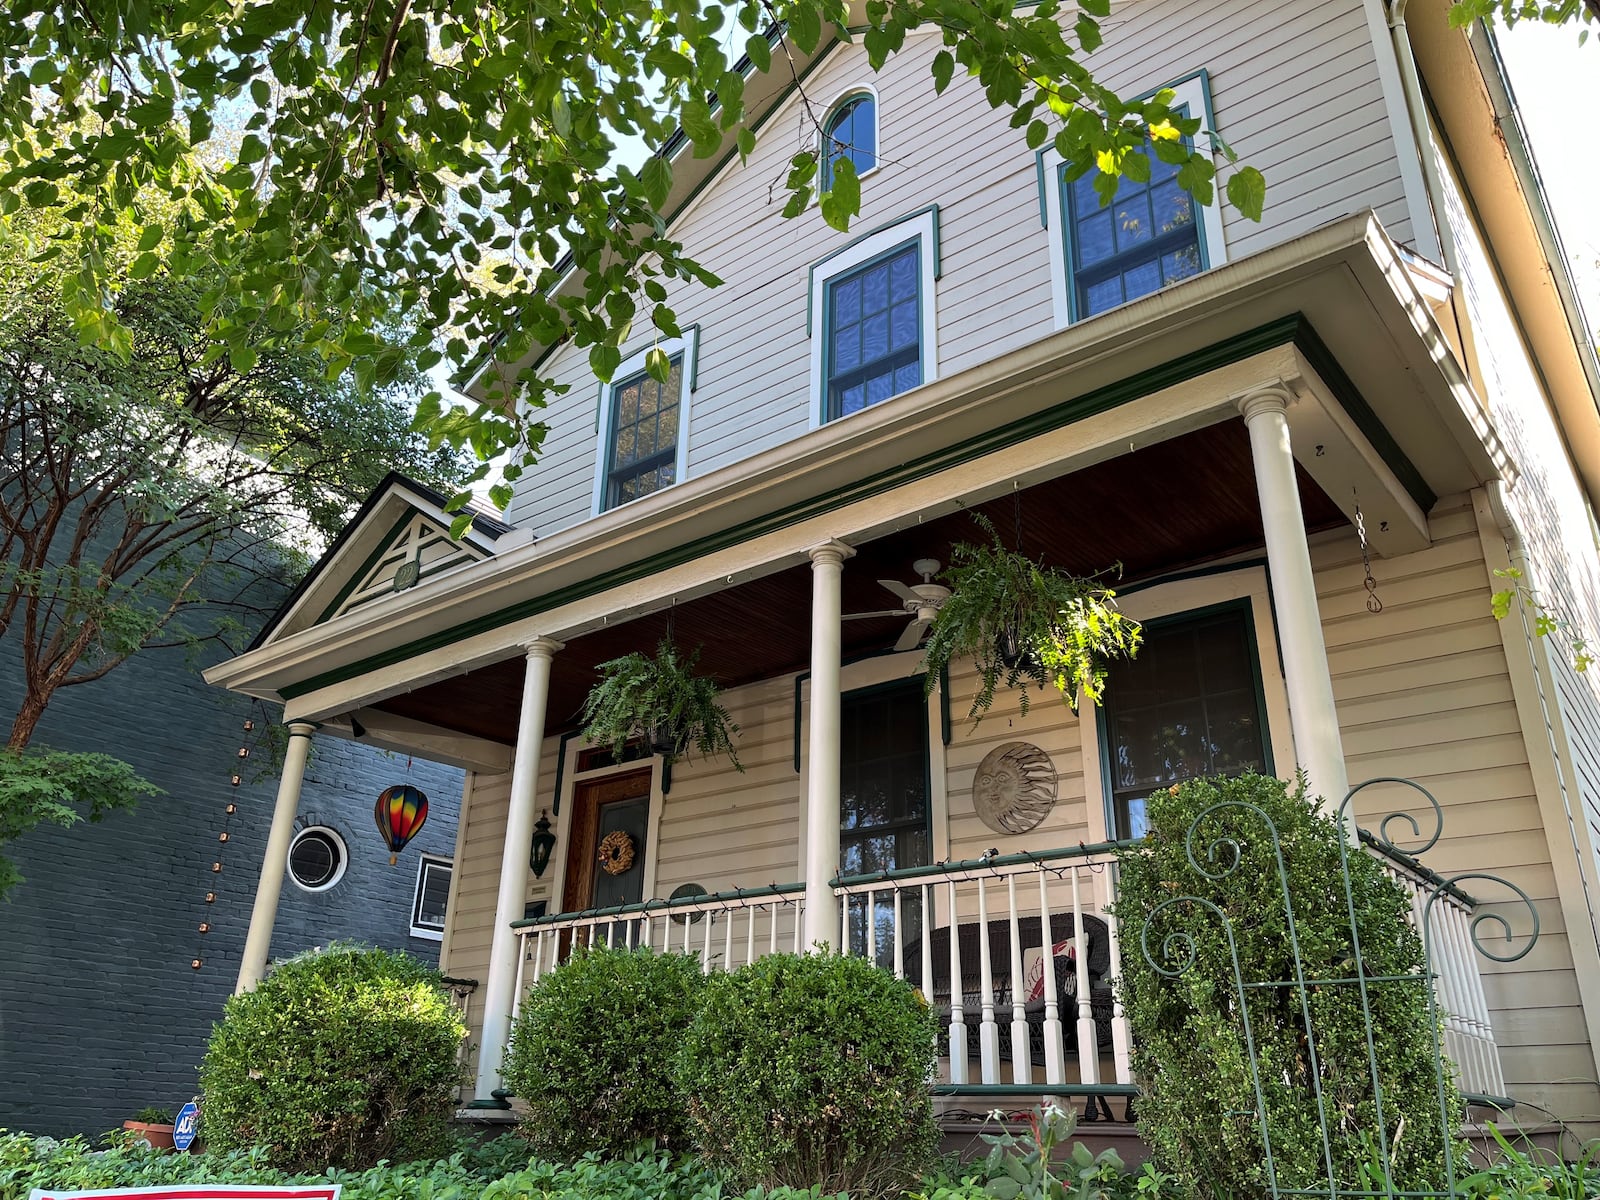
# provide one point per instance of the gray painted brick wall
(100, 1010)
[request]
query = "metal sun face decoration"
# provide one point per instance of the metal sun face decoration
(1015, 787)
(400, 813)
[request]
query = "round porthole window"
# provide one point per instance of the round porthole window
(317, 858)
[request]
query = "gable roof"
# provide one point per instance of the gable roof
(402, 523)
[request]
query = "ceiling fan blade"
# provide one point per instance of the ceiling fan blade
(886, 612)
(912, 637)
(901, 590)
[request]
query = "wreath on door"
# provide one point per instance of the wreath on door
(616, 852)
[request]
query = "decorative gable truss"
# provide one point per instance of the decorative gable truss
(418, 548)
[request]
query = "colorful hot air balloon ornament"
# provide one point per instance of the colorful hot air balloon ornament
(400, 814)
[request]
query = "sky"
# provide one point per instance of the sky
(1552, 78)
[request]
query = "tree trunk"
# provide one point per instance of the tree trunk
(28, 715)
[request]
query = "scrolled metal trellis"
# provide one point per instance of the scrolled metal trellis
(1177, 955)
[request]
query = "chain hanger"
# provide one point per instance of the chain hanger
(1374, 605)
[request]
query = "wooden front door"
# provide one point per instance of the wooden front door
(613, 813)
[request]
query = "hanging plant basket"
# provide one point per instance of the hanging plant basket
(661, 702)
(1025, 625)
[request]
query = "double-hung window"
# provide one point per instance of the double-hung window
(1190, 704)
(872, 316)
(874, 319)
(642, 426)
(1152, 234)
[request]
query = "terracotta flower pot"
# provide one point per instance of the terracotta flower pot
(157, 1137)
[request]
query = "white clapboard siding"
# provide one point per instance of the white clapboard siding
(1423, 693)
(1295, 90)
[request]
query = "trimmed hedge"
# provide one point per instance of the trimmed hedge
(338, 1058)
(812, 1071)
(592, 1051)
(1189, 1051)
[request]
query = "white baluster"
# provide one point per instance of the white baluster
(899, 940)
(538, 955)
(1088, 1036)
(927, 942)
(844, 923)
(727, 939)
(705, 949)
(750, 934)
(1055, 1046)
(1021, 1050)
(958, 1023)
(1121, 1038)
(611, 935)
(988, 1031)
(516, 988)
(772, 932)
(555, 947)
(799, 925)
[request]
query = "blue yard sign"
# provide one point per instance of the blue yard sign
(186, 1126)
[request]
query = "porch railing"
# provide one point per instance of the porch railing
(726, 929)
(1018, 953)
(1458, 984)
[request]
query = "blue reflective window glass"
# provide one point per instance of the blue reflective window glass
(874, 332)
(1146, 238)
(852, 132)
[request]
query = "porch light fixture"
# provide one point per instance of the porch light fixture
(544, 841)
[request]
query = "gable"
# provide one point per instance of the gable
(400, 539)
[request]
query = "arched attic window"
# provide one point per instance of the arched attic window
(851, 131)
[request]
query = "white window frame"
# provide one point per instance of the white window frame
(423, 863)
(919, 228)
(1191, 93)
(849, 93)
(689, 347)
(337, 839)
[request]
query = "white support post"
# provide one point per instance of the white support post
(499, 992)
(822, 800)
(258, 941)
(1312, 714)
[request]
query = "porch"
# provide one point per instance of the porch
(1014, 1031)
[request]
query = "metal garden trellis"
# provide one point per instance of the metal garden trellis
(1178, 952)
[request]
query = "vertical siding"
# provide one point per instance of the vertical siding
(1296, 93)
(1424, 693)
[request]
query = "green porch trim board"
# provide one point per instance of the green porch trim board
(1290, 330)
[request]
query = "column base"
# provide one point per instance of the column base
(497, 1102)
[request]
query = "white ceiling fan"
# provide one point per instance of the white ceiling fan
(920, 602)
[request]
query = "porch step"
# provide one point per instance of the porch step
(962, 1124)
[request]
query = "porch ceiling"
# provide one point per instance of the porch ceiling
(1162, 508)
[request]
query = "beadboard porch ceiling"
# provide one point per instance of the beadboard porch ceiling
(1166, 507)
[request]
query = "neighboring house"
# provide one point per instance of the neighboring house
(1389, 365)
(101, 1010)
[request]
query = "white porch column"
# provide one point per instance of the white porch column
(1312, 715)
(258, 941)
(500, 988)
(822, 797)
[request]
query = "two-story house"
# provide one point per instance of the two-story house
(1308, 441)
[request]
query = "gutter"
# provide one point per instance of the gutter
(1509, 121)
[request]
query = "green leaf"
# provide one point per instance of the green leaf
(1247, 191)
(150, 237)
(144, 265)
(242, 359)
(1087, 30)
(561, 115)
(656, 176)
(759, 51)
(1038, 134)
(701, 127)
(843, 200)
(746, 141)
(604, 358)
(944, 68)
(656, 364)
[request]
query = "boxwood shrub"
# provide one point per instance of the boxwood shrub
(338, 1058)
(1189, 1051)
(812, 1071)
(591, 1054)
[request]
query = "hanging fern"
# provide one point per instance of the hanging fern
(661, 701)
(1024, 624)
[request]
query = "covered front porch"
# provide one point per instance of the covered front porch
(1223, 445)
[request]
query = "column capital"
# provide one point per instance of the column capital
(542, 647)
(1264, 398)
(834, 552)
(302, 728)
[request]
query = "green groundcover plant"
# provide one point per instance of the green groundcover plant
(339, 1058)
